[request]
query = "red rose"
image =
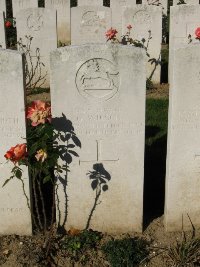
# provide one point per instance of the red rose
(111, 34)
(197, 33)
(16, 153)
(8, 24)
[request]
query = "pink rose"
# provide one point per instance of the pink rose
(39, 112)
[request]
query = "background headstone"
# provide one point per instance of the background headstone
(14, 213)
(39, 23)
(183, 156)
(163, 3)
(89, 24)
(184, 19)
(2, 31)
(3, 5)
(117, 12)
(189, 2)
(106, 87)
(19, 5)
(63, 18)
(145, 18)
(89, 2)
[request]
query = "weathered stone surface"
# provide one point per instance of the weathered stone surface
(189, 2)
(183, 156)
(117, 12)
(2, 30)
(184, 19)
(146, 20)
(19, 5)
(14, 213)
(3, 5)
(101, 90)
(39, 23)
(162, 3)
(63, 18)
(89, 24)
(90, 3)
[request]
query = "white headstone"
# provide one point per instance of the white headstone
(184, 19)
(89, 2)
(89, 24)
(19, 5)
(39, 23)
(106, 88)
(145, 18)
(63, 18)
(3, 5)
(2, 31)
(189, 2)
(162, 3)
(117, 12)
(183, 156)
(14, 213)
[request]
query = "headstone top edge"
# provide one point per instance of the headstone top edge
(142, 7)
(10, 51)
(98, 46)
(183, 7)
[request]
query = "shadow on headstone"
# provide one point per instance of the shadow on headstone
(99, 177)
(65, 133)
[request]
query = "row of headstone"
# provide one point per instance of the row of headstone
(89, 25)
(108, 83)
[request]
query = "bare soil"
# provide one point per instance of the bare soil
(20, 251)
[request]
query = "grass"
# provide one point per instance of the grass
(156, 119)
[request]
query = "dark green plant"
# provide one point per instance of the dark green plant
(76, 245)
(149, 84)
(127, 252)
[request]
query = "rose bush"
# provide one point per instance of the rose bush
(41, 155)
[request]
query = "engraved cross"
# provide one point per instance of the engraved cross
(98, 155)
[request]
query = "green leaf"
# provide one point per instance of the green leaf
(46, 179)
(18, 174)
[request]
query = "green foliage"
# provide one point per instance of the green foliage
(156, 116)
(128, 252)
(77, 244)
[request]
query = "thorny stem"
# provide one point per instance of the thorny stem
(27, 201)
(42, 201)
(36, 200)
